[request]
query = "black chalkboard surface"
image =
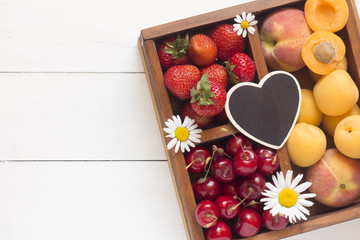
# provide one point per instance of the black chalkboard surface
(265, 112)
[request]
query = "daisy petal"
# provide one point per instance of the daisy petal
(305, 203)
(302, 209)
(253, 23)
(272, 187)
(236, 27)
(171, 124)
(168, 130)
(194, 139)
(177, 146)
(250, 17)
(244, 33)
(302, 187)
(251, 30)
(238, 19)
(172, 143)
(240, 31)
(243, 16)
(288, 178)
(296, 181)
(307, 195)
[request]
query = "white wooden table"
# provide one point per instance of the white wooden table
(81, 153)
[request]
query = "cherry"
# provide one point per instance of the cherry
(229, 206)
(220, 231)
(223, 170)
(229, 189)
(251, 187)
(248, 223)
(196, 159)
(206, 213)
(276, 222)
(268, 162)
(206, 188)
(220, 151)
(245, 162)
(234, 144)
(257, 206)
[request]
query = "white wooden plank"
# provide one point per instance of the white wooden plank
(77, 116)
(84, 36)
(101, 200)
(88, 200)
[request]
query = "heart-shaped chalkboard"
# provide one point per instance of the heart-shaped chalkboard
(265, 112)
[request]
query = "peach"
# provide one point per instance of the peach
(335, 93)
(282, 36)
(329, 123)
(335, 179)
(347, 136)
(306, 144)
(309, 112)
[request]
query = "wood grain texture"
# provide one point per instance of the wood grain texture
(77, 117)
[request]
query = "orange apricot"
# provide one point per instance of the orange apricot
(322, 52)
(326, 15)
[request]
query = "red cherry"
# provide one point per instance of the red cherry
(251, 187)
(220, 151)
(245, 162)
(223, 170)
(268, 162)
(276, 222)
(196, 159)
(229, 206)
(208, 188)
(234, 144)
(220, 231)
(206, 213)
(229, 189)
(248, 223)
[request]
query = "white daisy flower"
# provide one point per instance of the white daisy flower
(244, 24)
(284, 196)
(183, 134)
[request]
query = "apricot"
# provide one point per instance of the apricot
(322, 52)
(329, 123)
(343, 64)
(309, 112)
(347, 136)
(335, 93)
(326, 15)
(306, 144)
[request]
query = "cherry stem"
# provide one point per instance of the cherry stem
(274, 160)
(241, 201)
(215, 148)
(211, 223)
(208, 166)
(242, 148)
(196, 160)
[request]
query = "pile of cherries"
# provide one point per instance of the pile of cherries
(228, 179)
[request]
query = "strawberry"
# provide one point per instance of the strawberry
(241, 68)
(208, 97)
(221, 118)
(172, 51)
(217, 72)
(202, 50)
(202, 121)
(227, 41)
(180, 79)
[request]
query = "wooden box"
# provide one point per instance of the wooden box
(166, 106)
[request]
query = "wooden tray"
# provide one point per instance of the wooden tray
(166, 106)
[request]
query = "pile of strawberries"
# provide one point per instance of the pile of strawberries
(200, 69)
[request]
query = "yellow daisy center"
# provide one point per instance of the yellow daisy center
(244, 24)
(181, 133)
(288, 197)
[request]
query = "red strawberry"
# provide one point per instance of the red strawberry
(180, 79)
(227, 41)
(208, 97)
(202, 50)
(222, 118)
(202, 121)
(173, 51)
(216, 72)
(241, 68)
